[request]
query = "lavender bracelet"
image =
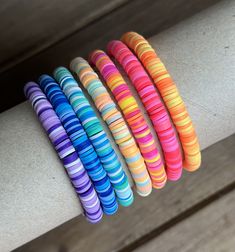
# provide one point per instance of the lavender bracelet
(66, 152)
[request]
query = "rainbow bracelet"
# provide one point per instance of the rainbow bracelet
(171, 97)
(81, 143)
(97, 135)
(134, 118)
(66, 152)
(112, 116)
(154, 106)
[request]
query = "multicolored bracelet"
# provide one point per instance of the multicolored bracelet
(96, 134)
(171, 97)
(66, 152)
(85, 145)
(153, 105)
(112, 116)
(134, 118)
(81, 143)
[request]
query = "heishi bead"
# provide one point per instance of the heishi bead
(153, 105)
(171, 97)
(66, 152)
(96, 134)
(81, 143)
(115, 122)
(134, 119)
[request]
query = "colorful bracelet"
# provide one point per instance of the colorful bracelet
(112, 116)
(171, 97)
(153, 105)
(96, 134)
(134, 118)
(81, 143)
(66, 152)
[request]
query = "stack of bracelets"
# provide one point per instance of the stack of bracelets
(84, 147)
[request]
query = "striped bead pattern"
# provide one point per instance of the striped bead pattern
(114, 119)
(81, 143)
(66, 152)
(96, 134)
(134, 118)
(171, 97)
(153, 105)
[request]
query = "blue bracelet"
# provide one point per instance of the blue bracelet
(80, 141)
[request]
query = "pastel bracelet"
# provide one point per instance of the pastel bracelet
(134, 118)
(81, 143)
(97, 135)
(112, 116)
(66, 152)
(153, 105)
(171, 97)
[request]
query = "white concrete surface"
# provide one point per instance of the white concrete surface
(35, 193)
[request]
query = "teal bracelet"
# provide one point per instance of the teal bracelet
(96, 134)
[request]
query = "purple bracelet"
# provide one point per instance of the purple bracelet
(66, 152)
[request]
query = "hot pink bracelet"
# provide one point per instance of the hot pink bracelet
(154, 106)
(134, 118)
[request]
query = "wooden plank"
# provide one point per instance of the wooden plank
(211, 229)
(152, 214)
(47, 22)
(145, 16)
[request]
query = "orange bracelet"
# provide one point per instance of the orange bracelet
(171, 97)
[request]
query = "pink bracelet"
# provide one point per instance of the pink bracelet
(154, 106)
(134, 118)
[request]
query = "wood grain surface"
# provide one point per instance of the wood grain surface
(28, 27)
(149, 217)
(211, 229)
(145, 16)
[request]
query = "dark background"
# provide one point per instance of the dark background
(38, 35)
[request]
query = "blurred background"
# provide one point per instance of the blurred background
(38, 35)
